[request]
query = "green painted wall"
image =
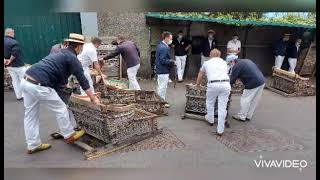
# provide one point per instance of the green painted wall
(38, 33)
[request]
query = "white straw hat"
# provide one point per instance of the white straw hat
(78, 38)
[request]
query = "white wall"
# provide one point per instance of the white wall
(89, 23)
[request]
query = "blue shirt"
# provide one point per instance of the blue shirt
(248, 72)
(54, 70)
(11, 47)
(163, 59)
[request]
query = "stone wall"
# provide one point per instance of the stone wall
(133, 26)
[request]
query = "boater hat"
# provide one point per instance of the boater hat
(211, 31)
(78, 38)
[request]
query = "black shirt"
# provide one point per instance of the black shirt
(248, 72)
(205, 46)
(54, 70)
(280, 48)
(180, 46)
(292, 51)
(11, 47)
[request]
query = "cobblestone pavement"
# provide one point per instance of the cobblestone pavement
(293, 118)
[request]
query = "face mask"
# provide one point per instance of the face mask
(210, 36)
(169, 42)
(235, 39)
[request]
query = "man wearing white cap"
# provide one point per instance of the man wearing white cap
(40, 85)
(254, 82)
(218, 86)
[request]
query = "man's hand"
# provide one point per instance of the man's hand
(8, 61)
(95, 100)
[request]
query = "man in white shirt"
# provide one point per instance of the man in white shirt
(87, 57)
(218, 86)
(234, 46)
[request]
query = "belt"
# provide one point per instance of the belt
(31, 81)
(224, 80)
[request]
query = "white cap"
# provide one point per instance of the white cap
(231, 58)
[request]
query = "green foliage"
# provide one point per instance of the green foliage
(235, 17)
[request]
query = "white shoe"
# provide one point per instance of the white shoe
(206, 118)
(237, 117)
(170, 81)
(167, 105)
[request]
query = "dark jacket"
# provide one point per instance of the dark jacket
(163, 59)
(56, 48)
(292, 51)
(54, 70)
(129, 52)
(280, 48)
(179, 47)
(11, 47)
(205, 47)
(248, 72)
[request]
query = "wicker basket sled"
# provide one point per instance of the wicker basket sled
(290, 84)
(113, 126)
(196, 100)
(145, 100)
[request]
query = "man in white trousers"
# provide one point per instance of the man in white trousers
(40, 85)
(279, 51)
(131, 56)
(163, 64)
(13, 61)
(253, 81)
(89, 57)
(292, 54)
(218, 87)
(181, 46)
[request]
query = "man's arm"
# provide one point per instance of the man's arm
(14, 52)
(113, 54)
(188, 45)
(94, 58)
(163, 57)
(77, 71)
(97, 67)
(235, 73)
(200, 77)
(138, 50)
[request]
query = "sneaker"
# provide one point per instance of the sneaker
(76, 136)
(167, 105)
(20, 99)
(42, 147)
(236, 117)
(170, 81)
(247, 119)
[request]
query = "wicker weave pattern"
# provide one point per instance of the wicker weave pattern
(113, 125)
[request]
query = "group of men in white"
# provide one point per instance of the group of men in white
(74, 57)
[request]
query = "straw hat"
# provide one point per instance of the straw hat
(211, 31)
(73, 37)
